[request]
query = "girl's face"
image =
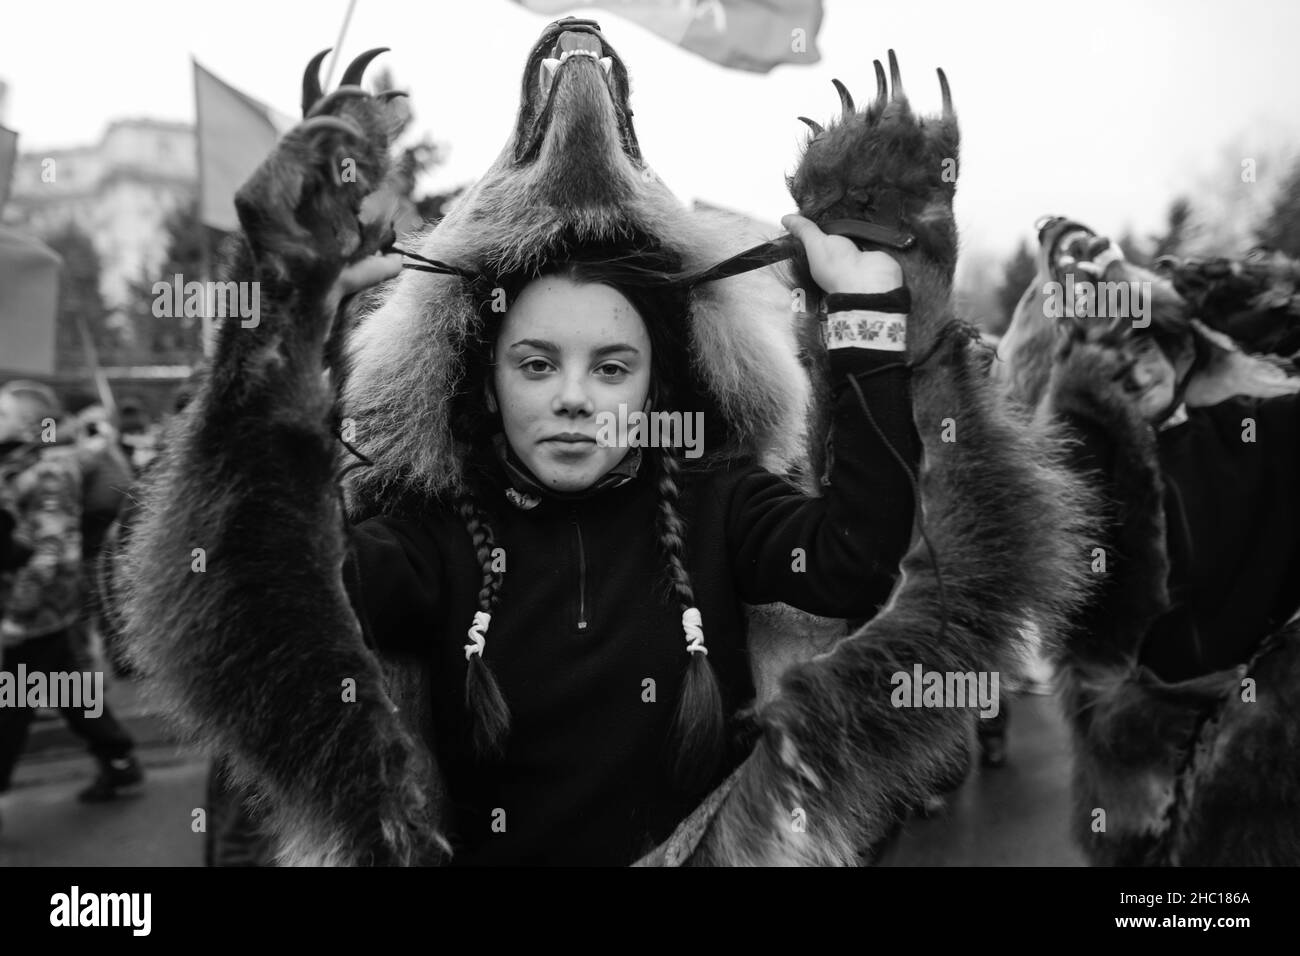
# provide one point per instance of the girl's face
(1154, 378)
(566, 353)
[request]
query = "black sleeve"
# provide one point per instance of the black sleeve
(835, 555)
(1289, 407)
(393, 584)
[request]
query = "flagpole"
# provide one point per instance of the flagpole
(205, 245)
(96, 370)
(338, 47)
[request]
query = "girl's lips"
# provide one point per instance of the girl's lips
(572, 447)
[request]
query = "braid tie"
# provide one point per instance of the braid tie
(476, 632)
(694, 627)
(699, 722)
(483, 698)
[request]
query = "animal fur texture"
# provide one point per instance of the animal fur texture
(253, 651)
(252, 641)
(838, 763)
(1189, 773)
(235, 606)
(404, 358)
(1027, 350)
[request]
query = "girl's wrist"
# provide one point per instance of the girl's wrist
(856, 329)
(868, 321)
(897, 301)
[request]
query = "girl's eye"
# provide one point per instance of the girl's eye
(535, 366)
(611, 370)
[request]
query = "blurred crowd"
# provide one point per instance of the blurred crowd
(68, 467)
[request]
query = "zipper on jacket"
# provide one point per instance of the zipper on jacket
(582, 574)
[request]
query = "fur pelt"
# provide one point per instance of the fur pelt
(264, 639)
(838, 763)
(234, 607)
(1187, 773)
(1032, 340)
(252, 641)
(405, 358)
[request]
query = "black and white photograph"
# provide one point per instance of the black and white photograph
(655, 433)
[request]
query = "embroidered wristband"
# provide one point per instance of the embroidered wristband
(866, 330)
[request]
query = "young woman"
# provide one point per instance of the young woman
(603, 586)
(521, 639)
(1183, 678)
(1226, 468)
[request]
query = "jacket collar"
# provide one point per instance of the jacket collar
(1175, 418)
(525, 492)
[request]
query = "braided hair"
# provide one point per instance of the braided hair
(483, 697)
(699, 721)
(643, 273)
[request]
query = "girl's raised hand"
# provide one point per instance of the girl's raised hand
(838, 265)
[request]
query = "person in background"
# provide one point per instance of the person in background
(41, 588)
(133, 430)
(107, 476)
(1197, 455)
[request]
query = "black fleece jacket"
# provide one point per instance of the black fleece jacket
(1232, 514)
(587, 642)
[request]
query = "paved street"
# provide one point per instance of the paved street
(44, 825)
(1014, 816)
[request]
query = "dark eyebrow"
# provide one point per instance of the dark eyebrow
(545, 346)
(611, 349)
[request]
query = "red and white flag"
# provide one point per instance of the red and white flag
(753, 35)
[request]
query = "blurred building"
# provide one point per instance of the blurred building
(119, 191)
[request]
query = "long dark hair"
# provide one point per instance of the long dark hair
(648, 277)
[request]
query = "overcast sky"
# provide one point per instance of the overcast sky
(1103, 111)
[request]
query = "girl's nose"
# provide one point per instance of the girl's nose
(572, 397)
